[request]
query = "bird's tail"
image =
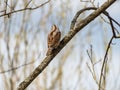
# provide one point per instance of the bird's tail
(49, 51)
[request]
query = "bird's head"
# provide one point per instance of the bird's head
(54, 27)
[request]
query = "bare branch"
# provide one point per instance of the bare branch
(25, 9)
(15, 68)
(104, 61)
(107, 50)
(28, 3)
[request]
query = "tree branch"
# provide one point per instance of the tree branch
(65, 40)
(104, 61)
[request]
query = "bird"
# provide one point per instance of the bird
(53, 39)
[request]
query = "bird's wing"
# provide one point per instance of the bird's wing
(56, 38)
(50, 40)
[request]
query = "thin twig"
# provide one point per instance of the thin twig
(108, 47)
(92, 69)
(104, 60)
(15, 68)
(112, 27)
(28, 3)
(25, 9)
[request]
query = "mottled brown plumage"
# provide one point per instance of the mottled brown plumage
(53, 39)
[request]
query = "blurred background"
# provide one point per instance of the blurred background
(23, 45)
